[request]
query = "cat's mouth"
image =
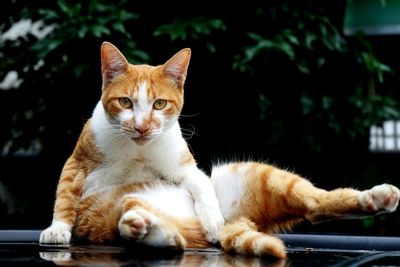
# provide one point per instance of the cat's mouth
(141, 140)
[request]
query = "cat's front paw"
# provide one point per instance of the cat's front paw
(380, 198)
(58, 256)
(55, 235)
(213, 223)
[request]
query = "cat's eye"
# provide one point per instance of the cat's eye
(125, 102)
(160, 104)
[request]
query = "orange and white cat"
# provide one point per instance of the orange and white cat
(133, 137)
(132, 177)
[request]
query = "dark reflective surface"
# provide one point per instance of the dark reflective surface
(32, 254)
(20, 248)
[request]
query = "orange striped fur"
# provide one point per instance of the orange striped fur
(273, 199)
(75, 170)
(119, 183)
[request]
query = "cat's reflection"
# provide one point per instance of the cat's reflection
(188, 258)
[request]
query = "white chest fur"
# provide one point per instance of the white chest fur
(125, 162)
(120, 172)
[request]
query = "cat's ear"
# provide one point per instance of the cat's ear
(176, 67)
(113, 63)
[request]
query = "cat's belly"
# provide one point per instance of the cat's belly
(116, 174)
(168, 199)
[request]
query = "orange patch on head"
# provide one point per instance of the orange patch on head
(157, 87)
(163, 81)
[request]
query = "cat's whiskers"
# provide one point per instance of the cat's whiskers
(115, 134)
(109, 127)
(189, 115)
(115, 138)
(189, 133)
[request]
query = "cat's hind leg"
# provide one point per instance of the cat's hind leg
(142, 223)
(321, 205)
(241, 236)
(274, 198)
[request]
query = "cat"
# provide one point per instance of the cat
(133, 136)
(132, 177)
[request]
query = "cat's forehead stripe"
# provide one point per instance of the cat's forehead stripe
(142, 108)
(142, 93)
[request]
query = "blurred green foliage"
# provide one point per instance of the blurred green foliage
(312, 43)
(76, 22)
(277, 79)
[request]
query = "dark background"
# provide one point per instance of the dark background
(275, 81)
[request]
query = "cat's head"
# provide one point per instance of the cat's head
(142, 101)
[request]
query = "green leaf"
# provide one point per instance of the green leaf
(125, 15)
(327, 102)
(303, 66)
(45, 46)
(307, 104)
(373, 65)
(118, 26)
(293, 39)
(99, 31)
(92, 6)
(192, 28)
(255, 36)
(82, 32)
(100, 7)
(64, 7)
(136, 55)
(76, 9)
(310, 37)
(287, 49)
(48, 14)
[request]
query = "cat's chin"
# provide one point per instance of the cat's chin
(141, 141)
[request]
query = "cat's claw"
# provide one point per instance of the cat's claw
(55, 235)
(380, 198)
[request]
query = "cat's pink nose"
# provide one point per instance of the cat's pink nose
(142, 129)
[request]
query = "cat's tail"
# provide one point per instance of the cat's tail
(241, 236)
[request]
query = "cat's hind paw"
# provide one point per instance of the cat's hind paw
(143, 226)
(269, 245)
(134, 225)
(380, 198)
